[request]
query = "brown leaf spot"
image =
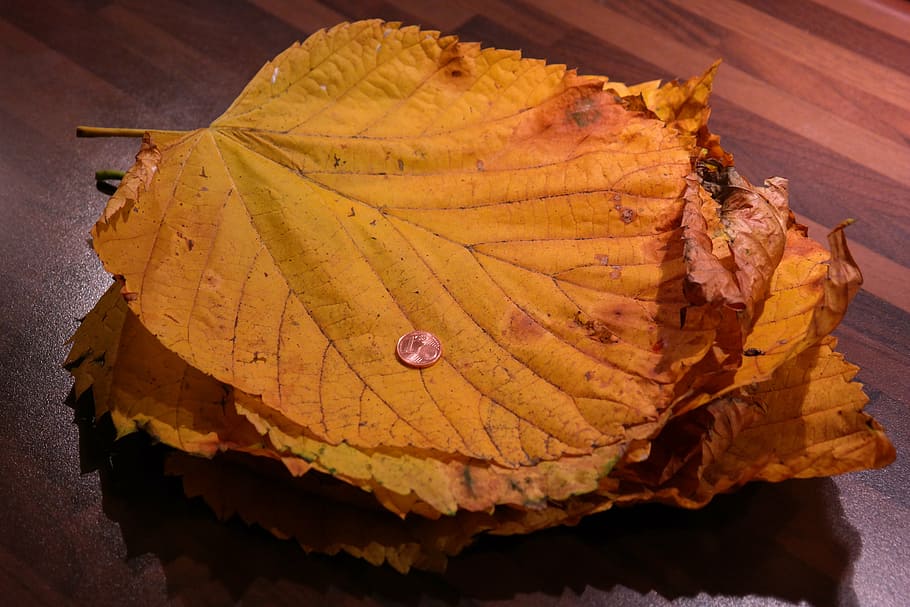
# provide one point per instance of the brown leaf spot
(603, 259)
(616, 272)
(212, 279)
(468, 480)
(573, 122)
(186, 240)
(523, 327)
(626, 214)
(583, 112)
(595, 329)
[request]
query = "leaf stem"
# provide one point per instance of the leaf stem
(100, 131)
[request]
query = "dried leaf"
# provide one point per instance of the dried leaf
(325, 519)
(748, 232)
(143, 386)
(624, 318)
(433, 185)
(806, 421)
(152, 389)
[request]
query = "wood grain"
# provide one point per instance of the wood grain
(816, 91)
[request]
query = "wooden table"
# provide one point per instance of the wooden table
(815, 91)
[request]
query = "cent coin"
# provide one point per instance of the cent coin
(418, 349)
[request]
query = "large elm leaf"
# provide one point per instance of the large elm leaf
(624, 317)
(379, 179)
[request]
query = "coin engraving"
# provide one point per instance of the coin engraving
(418, 349)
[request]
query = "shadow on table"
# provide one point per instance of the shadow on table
(788, 541)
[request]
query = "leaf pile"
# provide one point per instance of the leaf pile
(624, 317)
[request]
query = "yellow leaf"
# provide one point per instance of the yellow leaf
(684, 106)
(439, 483)
(605, 286)
(145, 387)
(814, 424)
(808, 294)
(152, 389)
(378, 179)
(805, 421)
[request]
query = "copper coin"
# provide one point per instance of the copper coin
(418, 349)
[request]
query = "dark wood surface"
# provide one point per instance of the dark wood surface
(815, 91)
